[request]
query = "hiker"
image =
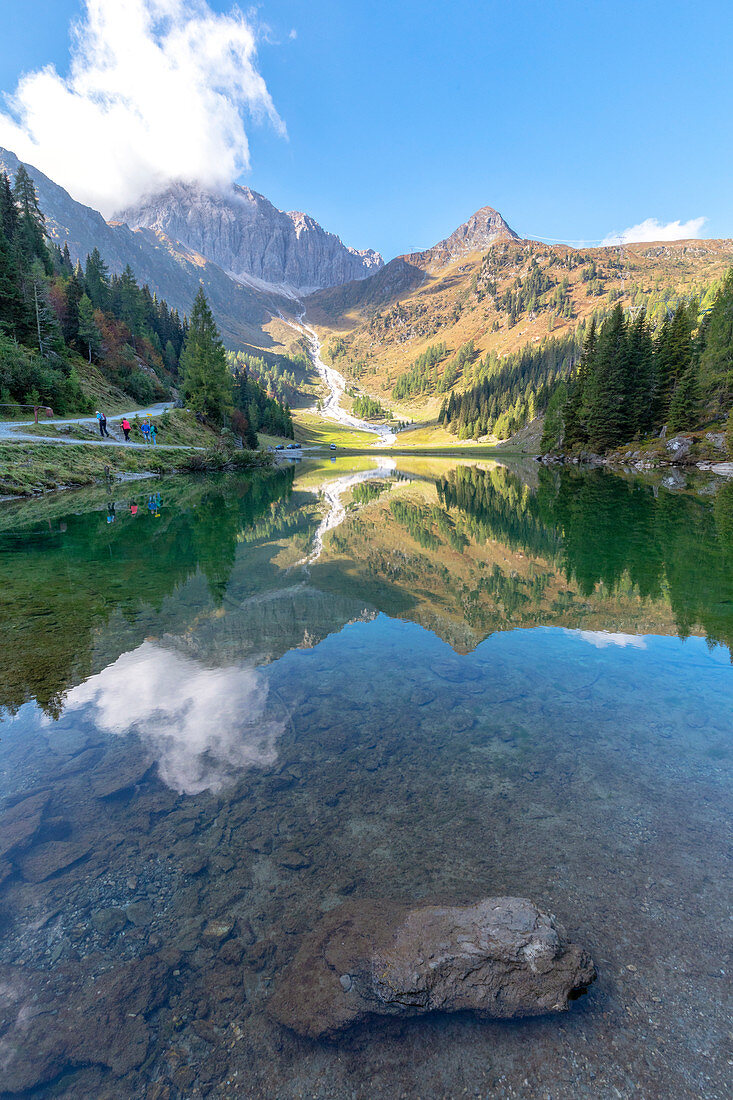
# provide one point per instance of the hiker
(133, 508)
(145, 429)
(152, 432)
(102, 425)
(126, 428)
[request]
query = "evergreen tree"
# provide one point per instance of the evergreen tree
(96, 278)
(207, 383)
(684, 408)
(31, 231)
(73, 295)
(127, 301)
(641, 369)
(89, 335)
(716, 360)
(46, 331)
(575, 432)
(673, 353)
(13, 311)
(605, 404)
(170, 358)
(66, 265)
(8, 210)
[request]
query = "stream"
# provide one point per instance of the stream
(336, 385)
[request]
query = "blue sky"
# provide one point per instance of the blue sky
(573, 119)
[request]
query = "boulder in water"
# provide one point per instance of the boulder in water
(499, 958)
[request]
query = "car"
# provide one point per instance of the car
(333, 446)
(280, 447)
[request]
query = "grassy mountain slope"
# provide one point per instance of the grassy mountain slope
(513, 294)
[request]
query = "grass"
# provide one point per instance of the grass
(176, 427)
(313, 430)
(30, 468)
(436, 440)
(266, 441)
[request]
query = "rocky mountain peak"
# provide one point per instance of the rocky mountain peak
(476, 234)
(242, 232)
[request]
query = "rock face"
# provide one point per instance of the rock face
(242, 232)
(500, 958)
(171, 269)
(481, 229)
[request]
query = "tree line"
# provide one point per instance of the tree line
(279, 376)
(631, 382)
(588, 524)
(55, 316)
(510, 391)
(422, 375)
(52, 313)
(368, 408)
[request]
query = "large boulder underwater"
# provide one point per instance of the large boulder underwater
(499, 958)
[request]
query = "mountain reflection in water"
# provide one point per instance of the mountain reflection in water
(464, 551)
(276, 692)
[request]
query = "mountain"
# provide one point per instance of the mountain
(171, 269)
(485, 303)
(404, 274)
(251, 239)
(482, 229)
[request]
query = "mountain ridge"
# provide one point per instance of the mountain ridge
(171, 269)
(249, 238)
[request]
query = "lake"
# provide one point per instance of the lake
(232, 704)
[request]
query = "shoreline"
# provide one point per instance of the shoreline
(29, 470)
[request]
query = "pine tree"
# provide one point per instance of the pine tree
(684, 408)
(73, 294)
(170, 358)
(31, 232)
(716, 360)
(66, 265)
(605, 404)
(128, 301)
(13, 312)
(207, 382)
(96, 278)
(673, 353)
(641, 371)
(89, 335)
(575, 433)
(8, 209)
(46, 330)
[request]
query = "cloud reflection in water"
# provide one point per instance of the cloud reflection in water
(202, 725)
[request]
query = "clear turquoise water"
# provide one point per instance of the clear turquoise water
(485, 682)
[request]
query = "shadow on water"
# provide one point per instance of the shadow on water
(233, 703)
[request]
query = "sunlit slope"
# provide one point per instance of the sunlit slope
(514, 294)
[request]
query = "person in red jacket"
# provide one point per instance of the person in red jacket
(126, 428)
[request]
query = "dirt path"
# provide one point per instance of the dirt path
(11, 431)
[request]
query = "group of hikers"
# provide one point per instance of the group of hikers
(147, 427)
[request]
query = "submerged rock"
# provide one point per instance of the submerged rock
(501, 958)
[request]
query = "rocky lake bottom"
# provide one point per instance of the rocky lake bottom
(482, 684)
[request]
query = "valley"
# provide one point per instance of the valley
(402, 339)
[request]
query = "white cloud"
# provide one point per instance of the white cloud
(202, 725)
(603, 638)
(156, 91)
(654, 230)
